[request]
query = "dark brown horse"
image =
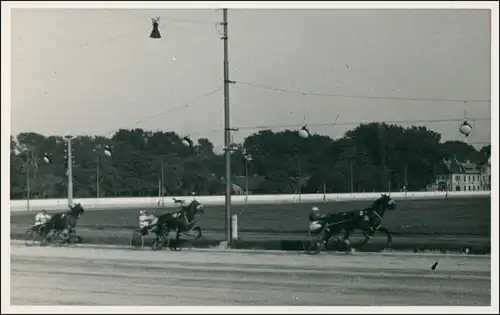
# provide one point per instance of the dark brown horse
(63, 224)
(368, 220)
(182, 222)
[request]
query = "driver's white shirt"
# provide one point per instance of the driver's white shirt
(315, 225)
(41, 218)
(147, 220)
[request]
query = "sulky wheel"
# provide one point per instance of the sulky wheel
(137, 240)
(312, 244)
(30, 237)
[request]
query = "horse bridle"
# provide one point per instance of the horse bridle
(388, 205)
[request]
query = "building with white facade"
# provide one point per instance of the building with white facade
(453, 175)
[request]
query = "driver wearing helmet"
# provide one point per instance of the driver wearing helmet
(41, 219)
(146, 221)
(316, 219)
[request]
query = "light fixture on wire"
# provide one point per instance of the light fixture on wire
(107, 151)
(155, 32)
(465, 128)
(304, 132)
(47, 158)
(186, 141)
(246, 155)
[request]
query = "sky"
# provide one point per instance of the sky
(83, 71)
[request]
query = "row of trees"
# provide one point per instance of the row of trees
(371, 157)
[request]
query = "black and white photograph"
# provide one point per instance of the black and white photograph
(191, 156)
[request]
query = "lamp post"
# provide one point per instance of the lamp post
(70, 169)
(162, 183)
(107, 152)
(248, 159)
(28, 164)
(27, 168)
(300, 178)
(351, 177)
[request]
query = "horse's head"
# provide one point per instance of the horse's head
(77, 210)
(197, 207)
(383, 203)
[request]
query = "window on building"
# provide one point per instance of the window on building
(474, 188)
(457, 178)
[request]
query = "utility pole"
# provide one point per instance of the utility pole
(246, 179)
(70, 172)
(97, 176)
(300, 179)
(28, 182)
(162, 183)
(227, 131)
(406, 178)
(351, 177)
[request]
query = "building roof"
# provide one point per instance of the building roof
(455, 167)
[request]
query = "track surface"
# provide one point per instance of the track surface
(85, 276)
(458, 216)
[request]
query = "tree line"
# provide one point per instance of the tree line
(370, 157)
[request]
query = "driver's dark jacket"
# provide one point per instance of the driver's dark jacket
(316, 216)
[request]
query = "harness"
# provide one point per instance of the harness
(378, 216)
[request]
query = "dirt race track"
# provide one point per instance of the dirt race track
(90, 276)
(452, 217)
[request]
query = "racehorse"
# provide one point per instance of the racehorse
(63, 222)
(367, 220)
(182, 222)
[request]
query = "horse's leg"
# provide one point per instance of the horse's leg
(388, 234)
(63, 236)
(347, 242)
(166, 238)
(47, 236)
(171, 243)
(70, 232)
(177, 238)
(160, 234)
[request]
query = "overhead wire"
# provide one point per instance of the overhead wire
(72, 49)
(425, 99)
(350, 123)
(171, 110)
(162, 17)
(142, 28)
